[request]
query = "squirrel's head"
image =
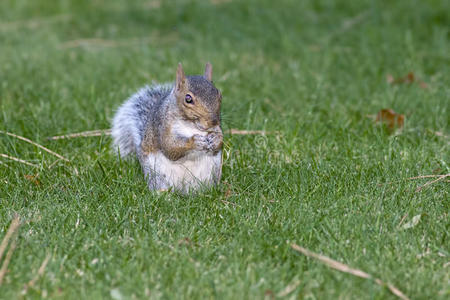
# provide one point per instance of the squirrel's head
(198, 99)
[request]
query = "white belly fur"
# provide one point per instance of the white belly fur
(193, 170)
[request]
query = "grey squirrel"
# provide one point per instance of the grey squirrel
(174, 130)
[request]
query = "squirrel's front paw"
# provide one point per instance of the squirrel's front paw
(200, 142)
(215, 141)
(211, 142)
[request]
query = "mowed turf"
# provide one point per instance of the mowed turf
(313, 74)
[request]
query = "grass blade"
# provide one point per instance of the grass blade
(346, 269)
(35, 144)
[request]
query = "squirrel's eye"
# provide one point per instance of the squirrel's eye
(188, 99)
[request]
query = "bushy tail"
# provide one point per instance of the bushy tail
(125, 132)
(129, 123)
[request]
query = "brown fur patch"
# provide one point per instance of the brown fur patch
(175, 147)
(147, 147)
(148, 143)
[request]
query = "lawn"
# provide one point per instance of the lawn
(325, 176)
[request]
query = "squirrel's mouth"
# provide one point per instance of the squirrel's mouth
(207, 129)
(200, 127)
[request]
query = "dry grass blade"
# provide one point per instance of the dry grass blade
(153, 4)
(394, 290)
(412, 178)
(217, 2)
(97, 132)
(424, 176)
(346, 269)
(249, 132)
(402, 220)
(349, 23)
(331, 262)
(289, 289)
(432, 181)
(39, 273)
(53, 164)
(230, 203)
(2, 163)
(91, 42)
(11, 230)
(18, 160)
(440, 134)
(35, 144)
(5, 264)
(100, 132)
(33, 23)
(98, 42)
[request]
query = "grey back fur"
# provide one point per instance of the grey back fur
(129, 123)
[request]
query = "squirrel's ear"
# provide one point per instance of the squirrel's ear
(181, 78)
(208, 72)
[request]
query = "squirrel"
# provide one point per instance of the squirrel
(174, 130)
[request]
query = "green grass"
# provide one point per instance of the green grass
(331, 180)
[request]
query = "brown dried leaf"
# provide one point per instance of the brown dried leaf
(185, 242)
(390, 118)
(423, 85)
(269, 294)
(414, 221)
(33, 178)
(390, 79)
(228, 191)
(437, 171)
(408, 78)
